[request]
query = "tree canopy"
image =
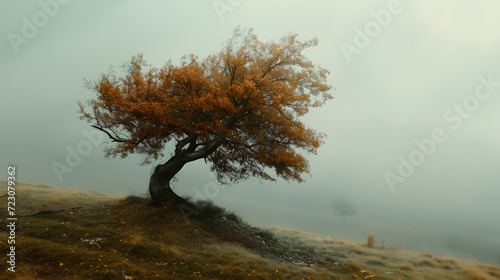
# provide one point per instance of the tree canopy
(238, 109)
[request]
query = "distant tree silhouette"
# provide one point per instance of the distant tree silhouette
(344, 208)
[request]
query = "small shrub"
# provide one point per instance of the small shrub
(370, 240)
(209, 210)
(351, 266)
(235, 218)
(266, 234)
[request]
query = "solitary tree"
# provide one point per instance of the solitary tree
(237, 109)
(344, 208)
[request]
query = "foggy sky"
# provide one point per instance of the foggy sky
(410, 78)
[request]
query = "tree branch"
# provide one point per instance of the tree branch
(109, 134)
(184, 142)
(209, 149)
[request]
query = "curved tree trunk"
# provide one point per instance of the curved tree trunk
(159, 182)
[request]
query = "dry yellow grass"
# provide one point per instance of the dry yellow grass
(103, 237)
(394, 263)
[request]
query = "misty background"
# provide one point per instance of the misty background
(393, 86)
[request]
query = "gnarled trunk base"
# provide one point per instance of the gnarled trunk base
(159, 182)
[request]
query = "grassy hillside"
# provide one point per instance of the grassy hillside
(97, 236)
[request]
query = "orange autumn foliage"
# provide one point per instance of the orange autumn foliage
(241, 106)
